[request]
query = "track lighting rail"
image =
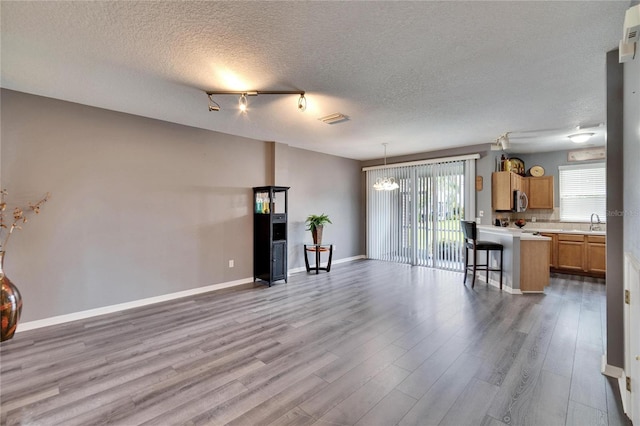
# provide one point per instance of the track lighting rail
(214, 106)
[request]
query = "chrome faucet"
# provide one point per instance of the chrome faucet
(595, 226)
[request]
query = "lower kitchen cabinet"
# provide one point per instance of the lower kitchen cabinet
(596, 254)
(571, 255)
(578, 254)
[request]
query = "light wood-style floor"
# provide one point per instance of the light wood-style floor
(370, 343)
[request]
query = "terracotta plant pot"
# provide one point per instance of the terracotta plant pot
(316, 233)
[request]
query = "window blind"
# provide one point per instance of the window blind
(419, 223)
(583, 191)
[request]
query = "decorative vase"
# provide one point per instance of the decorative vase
(10, 303)
(316, 233)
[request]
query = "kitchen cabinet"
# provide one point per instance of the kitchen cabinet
(502, 186)
(571, 252)
(581, 254)
(596, 255)
(540, 192)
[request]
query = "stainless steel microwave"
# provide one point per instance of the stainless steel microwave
(520, 201)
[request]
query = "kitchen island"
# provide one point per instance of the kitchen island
(525, 258)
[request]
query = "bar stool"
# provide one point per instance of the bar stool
(471, 242)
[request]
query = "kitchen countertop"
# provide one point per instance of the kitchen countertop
(565, 231)
(531, 231)
(515, 232)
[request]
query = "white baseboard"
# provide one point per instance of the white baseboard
(624, 393)
(619, 374)
(610, 370)
(60, 319)
(237, 284)
(505, 288)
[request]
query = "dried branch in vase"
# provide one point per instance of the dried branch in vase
(19, 217)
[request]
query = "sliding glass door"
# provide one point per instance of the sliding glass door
(419, 223)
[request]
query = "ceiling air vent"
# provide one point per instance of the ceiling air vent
(334, 118)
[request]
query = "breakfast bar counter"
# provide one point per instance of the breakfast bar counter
(525, 258)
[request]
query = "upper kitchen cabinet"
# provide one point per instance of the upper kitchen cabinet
(540, 192)
(502, 186)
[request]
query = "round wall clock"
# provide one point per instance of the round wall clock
(536, 171)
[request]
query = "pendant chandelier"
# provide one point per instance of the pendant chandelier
(385, 183)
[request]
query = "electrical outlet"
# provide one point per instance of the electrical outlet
(533, 219)
(481, 213)
(231, 263)
(478, 221)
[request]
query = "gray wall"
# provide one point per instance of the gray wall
(323, 183)
(615, 225)
(631, 155)
(141, 207)
(485, 165)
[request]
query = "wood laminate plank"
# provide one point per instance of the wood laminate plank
(356, 405)
(470, 407)
(389, 411)
(436, 403)
(490, 421)
(583, 415)
(330, 347)
(368, 349)
(512, 401)
(498, 363)
(281, 403)
(587, 387)
(549, 401)
(561, 353)
(421, 380)
(423, 350)
(300, 363)
(179, 391)
(199, 408)
(294, 417)
(350, 382)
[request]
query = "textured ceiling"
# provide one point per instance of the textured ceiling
(419, 76)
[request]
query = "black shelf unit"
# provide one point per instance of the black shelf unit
(270, 206)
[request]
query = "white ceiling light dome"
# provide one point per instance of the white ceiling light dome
(580, 137)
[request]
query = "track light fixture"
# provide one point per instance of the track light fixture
(501, 143)
(243, 102)
(302, 103)
(213, 105)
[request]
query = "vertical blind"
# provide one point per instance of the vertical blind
(419, 223)
(583, 191)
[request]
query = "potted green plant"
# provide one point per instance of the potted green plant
(315, 224)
